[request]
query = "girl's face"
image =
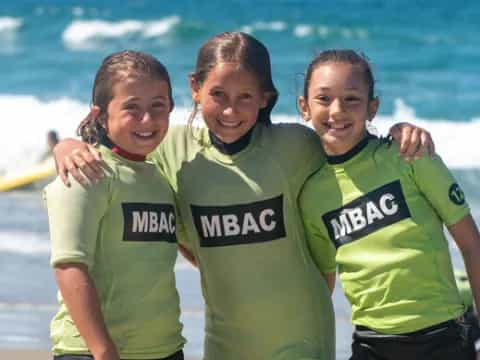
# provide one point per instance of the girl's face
(338, 105)
(138, 114)
(230, 99)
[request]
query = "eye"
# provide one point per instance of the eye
(131, 107)
(352, 99)
(246, 96)
(323, 99)
(159, 105)
(217, 93)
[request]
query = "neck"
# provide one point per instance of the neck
(347, 155)
(231, 148)
(119, 151)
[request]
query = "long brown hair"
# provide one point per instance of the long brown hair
(115, 68)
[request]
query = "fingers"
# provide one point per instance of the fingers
(427, 142)
(405, 133)
(63, 171)
(413, 145)
(73, 164)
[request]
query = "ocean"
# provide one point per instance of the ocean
(425, 57)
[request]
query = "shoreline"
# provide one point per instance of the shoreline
(39, 354)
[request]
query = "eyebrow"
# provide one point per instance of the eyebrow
(133, 98)
(328, 88)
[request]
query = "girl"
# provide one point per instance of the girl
(384, 230)
(114, 243)
(236, 183)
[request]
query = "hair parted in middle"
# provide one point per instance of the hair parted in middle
(115, 68)
(346, 56)
(249, 53)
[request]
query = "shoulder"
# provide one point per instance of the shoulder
(293, 135)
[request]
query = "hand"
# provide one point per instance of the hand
(413, 140)
(79, 159)
(107, 353)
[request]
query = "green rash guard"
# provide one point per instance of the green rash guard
(264, 297)
(123, 230)
(383, 220)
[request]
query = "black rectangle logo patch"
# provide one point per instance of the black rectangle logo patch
(148, 222)
(255, 222)
(377, 209)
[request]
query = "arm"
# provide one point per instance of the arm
(330, 279)
(413, 140)
(465, 234)
(188, 255)
(71, 156)
(80, 297)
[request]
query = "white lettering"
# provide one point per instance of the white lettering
(211, 229)
(342, 228)
(140, 221)
(153, 222)
(230, 224)
(357, 219)
(171, 223)
(373, 213)
(163, 226)
(262, 220)
(249, 224)
(383, 204)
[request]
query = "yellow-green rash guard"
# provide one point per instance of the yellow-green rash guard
(123, 230)
(383, 220)
(264, 297)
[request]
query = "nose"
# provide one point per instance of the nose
(146, 117)
(228, 110)
(336, 107)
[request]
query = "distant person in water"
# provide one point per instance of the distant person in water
(52, 140)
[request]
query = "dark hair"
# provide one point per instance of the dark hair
(343, 56)
(245, 50)
(115, 68)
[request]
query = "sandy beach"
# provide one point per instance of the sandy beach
(14, 354)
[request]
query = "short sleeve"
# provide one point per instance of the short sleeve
(321, 248)
(74, 216)
(437, 183)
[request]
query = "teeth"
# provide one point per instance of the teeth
(144, 134)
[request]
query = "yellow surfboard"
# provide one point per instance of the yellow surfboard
(36, 173)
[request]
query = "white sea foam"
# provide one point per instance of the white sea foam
(83, 34)
(9, 24)
(23, 135)
(302, 30)
(264, 26)
(23, 242)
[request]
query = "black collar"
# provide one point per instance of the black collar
(232, 148)
(338, 159)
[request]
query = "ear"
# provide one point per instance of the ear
(303, 107)
(267, 95)
(95, 111)
(373, 106)
(194, 88)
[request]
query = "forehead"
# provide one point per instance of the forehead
(141, 85)
(229, 73)
(338, 75)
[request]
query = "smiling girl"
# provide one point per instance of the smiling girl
(113, 243)
(381, 222)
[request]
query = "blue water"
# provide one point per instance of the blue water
(425, 55)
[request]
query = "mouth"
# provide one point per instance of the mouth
(145, 135)
(229, 124)
(335, 127)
